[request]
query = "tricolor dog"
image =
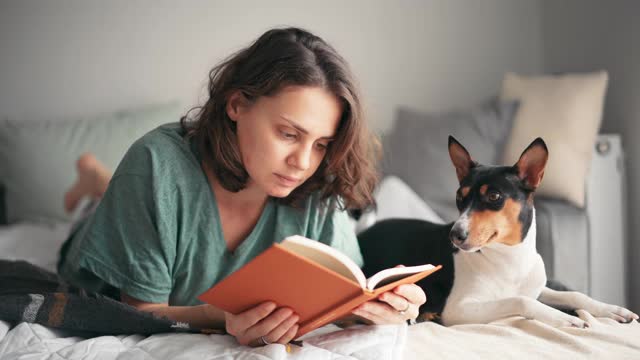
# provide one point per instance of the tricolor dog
(491, 269)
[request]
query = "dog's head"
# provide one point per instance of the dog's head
(495, 202)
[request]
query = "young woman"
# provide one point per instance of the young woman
(280, 148)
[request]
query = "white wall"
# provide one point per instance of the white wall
(73, 57)
(581, 35)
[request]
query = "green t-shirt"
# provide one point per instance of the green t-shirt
(156, 232)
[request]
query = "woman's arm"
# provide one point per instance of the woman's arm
(261, 325)
(201, 316)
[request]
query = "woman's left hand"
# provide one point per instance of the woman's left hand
(394, 306)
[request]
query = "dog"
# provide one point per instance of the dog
(491, 269)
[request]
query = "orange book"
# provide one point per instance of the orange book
(318, 282)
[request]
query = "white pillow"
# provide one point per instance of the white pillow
(566, 111)
(394, 200)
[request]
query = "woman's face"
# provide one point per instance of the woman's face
(284, 138)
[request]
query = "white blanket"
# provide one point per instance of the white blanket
(513, 338)
(32, 341)
(518, 338)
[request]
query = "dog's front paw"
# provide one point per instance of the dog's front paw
(573, 321)
(617, 313)
(560, 319)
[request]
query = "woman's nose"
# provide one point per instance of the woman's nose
(301, 159)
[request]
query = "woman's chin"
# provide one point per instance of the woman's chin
(280, 191)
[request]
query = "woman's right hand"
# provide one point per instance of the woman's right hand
(262, 325)
(263, 322)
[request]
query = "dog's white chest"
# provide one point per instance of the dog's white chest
(487, 276)
(496, 272)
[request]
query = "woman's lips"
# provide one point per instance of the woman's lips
(287, 180)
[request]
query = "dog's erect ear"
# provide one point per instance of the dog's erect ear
(530, 167)
(460, 158)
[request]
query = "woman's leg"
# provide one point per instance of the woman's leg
(93, 179)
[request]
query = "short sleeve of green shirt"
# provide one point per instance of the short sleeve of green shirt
(156, 234)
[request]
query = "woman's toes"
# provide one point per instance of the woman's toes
(70, 201)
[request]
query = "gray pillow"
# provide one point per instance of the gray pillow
(416, 148)
(37, 158)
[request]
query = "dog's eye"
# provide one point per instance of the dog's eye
(494, 196)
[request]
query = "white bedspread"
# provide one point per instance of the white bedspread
(32, 341)
(518, 338)
(513, 338)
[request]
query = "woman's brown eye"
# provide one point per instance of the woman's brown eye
(287, 135)
(494, 196)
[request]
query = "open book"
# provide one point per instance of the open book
(318, 282)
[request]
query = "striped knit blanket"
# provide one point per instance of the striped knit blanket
(31, 294)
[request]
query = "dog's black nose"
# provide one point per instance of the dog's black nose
(458, 235)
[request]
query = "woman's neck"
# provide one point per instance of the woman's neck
(249, 198)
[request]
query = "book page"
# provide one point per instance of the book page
(326, 256)
(388, 276)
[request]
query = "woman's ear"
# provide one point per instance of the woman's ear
(236, 104)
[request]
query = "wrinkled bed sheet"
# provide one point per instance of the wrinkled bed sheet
(33, 341)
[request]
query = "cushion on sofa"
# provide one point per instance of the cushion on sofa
(566, 111)
(416, 148)
(562, 240)
(38, 157)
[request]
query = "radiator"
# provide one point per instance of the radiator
(606, 211)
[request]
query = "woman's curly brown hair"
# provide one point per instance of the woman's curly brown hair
(281, 58)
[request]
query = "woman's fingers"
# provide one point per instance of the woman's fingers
(268, 324)
(263, 324)
(278, 333)
(412, 292)
(399, 303)
(237, 325)
(381, 313)
(289, 335)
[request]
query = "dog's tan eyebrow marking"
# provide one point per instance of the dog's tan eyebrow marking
(483, 189)
(465, 191)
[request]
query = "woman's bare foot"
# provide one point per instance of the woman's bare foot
(93, 179)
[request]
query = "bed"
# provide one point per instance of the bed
(35, 193)
(505, 339)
